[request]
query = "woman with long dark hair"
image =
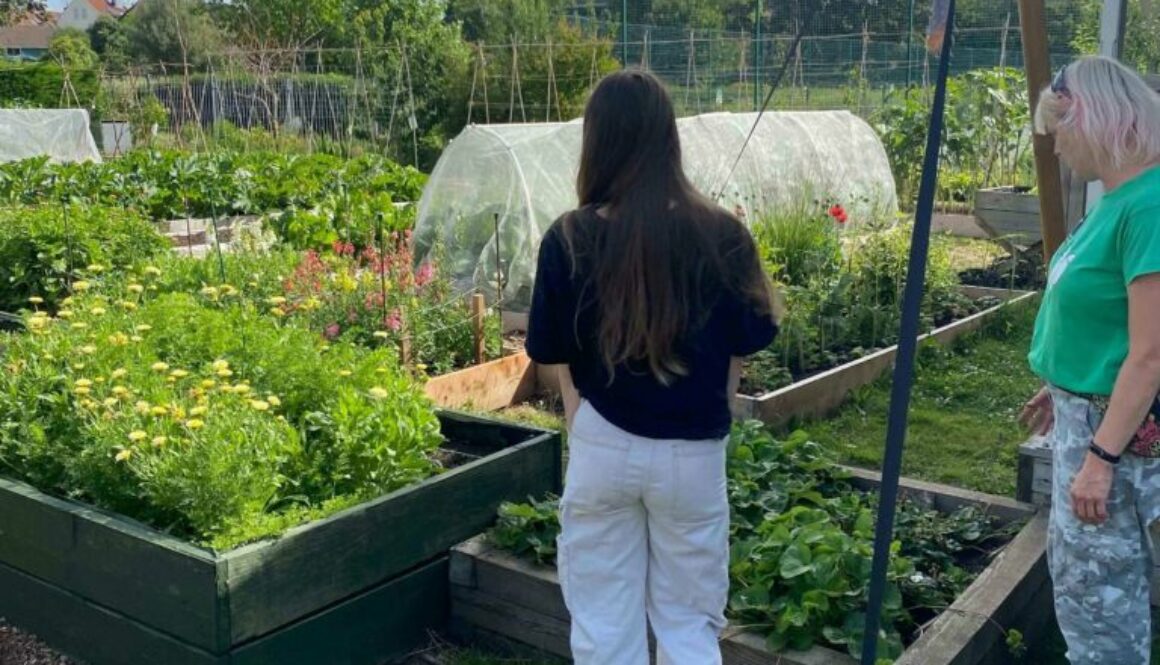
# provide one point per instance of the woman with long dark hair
(645, 299)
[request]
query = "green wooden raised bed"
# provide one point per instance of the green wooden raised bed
(362, 586)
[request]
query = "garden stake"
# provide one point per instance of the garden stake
(67, 234)
(478, 306)
(498, 265)
(217, 241)
(940, 35)
(383, 276)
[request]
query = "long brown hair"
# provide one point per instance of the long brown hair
(664, 253)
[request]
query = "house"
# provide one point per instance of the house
(26, 41)
(82, 14)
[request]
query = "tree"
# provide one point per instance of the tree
(110, 41)
(287, 25)
(70, 49)
(172, 31)
(13, 11)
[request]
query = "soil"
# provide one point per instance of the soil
(20, 648)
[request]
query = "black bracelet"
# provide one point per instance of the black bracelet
(1095, 449)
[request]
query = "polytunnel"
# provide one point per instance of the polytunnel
(62, 135)
(512, 181)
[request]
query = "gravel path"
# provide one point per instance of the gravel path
(20, 648)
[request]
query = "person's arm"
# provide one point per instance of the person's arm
(568, 392)
(1136, 387)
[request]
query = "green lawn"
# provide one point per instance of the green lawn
(962, 427)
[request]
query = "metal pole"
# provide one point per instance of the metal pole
(907, 344)
(624, 32)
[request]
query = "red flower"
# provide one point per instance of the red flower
(425, 275)
(333, 331)
(838, 213)
(394, 321)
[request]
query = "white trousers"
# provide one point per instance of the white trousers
(644, 540)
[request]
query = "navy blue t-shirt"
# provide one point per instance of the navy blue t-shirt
(694, 406)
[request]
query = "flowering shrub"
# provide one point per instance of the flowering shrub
(209, 422)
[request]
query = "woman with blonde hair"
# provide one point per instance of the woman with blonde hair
(1097, 347)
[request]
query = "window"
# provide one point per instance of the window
(12, 52)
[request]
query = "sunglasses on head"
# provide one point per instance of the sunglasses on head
(1059, 84)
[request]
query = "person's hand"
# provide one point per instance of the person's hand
(1039, 413)
(1090, 490)
(571, 406)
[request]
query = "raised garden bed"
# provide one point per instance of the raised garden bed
(497, 597)
(1009, 215)
(362, 586)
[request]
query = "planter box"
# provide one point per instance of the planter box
(362, 586)
(1010, 215)
(498, 598)
(822, 394)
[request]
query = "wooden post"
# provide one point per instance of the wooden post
(405, 350)
(478, 308)
(1033, 24)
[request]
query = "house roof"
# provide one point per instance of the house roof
(105, 7)
(27, 36)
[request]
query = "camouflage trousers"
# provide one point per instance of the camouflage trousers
(1101, 572)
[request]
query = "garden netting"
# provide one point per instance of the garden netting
(62, 135)
(513, 181)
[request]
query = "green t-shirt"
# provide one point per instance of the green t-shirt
(1081, 333)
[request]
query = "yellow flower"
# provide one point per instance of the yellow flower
(137, 435)
(221, 364)
(96, 268)
(277, 300)
(344, 372)
(179, 374)
(273, 400)
(382, 334)
(278, 312)
(119, 339)
(88, 404)
(159, 367)
(208, 383)
(144, 327)
(141, 407)
(119, 373)
(64, 314)
(110, 402)
(124, 455)
(97, 311)
(36, 300)
(152, 270)
(259, 405)
(80, 325)
(228, 290)
(84, 383)
(198, 411)
(227, 388)
(128, 306)
(225, 373)
(136, 288)
(194, 424)
(100, 380)
(82, 391)
(81, 286)
(78, 366)
(120, 391)
(241, 389)
(378, 393)
(137, 338)
(159, 441)
(178, 412)
(158, 411)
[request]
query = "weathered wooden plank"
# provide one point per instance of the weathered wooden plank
(274, 583)
(114, 562)
(749, 649)
(1007, 201)
(95, 634)
(490, 386)
(542, 631)
(972, 631)
(820, 395)
(374, 627)
(477, 566)
(944, 498)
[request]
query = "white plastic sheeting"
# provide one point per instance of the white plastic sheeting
(517, 179)
(62, 135)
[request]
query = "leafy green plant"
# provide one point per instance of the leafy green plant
(44, 249)
(801, 547)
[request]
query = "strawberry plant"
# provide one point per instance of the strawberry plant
(802, 540)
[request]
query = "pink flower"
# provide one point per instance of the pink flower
(426, 274)
(394, 320)
(333, 331)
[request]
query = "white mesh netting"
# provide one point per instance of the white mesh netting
(62, 135)
(526, 174)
